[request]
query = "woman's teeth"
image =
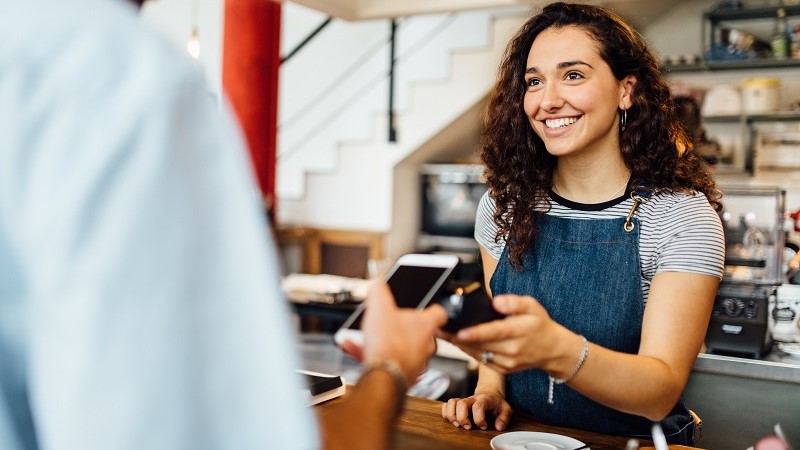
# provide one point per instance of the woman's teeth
(558, 123)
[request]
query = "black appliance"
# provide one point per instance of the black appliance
(741, 321)
(450, 197)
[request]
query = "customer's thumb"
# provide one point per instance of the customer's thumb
(436, 315)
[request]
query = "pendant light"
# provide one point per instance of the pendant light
(193, 45)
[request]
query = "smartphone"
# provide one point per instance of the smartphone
(468, 304)
(414, 280)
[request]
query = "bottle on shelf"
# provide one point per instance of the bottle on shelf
(794, 43)
(780, 37)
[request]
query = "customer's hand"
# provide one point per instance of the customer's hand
(527, 338)
(482, 407)
(401, 334)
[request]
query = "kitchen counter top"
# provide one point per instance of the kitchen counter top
(421, 427)
(774, 366)
(740, 399)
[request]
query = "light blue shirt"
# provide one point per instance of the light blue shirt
(139, 301)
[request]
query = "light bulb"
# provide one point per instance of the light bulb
(193, 46)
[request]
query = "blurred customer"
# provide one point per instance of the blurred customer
(139, 300)
(688, 112)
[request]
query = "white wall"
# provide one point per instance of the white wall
(679, 31)
(361, 191)
(332, 90)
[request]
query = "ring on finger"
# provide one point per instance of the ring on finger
(487, 358)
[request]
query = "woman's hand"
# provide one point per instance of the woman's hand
(482, 406)
(527, 338)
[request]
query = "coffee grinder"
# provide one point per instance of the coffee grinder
(741, 323)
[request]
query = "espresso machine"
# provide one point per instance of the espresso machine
(741, 321)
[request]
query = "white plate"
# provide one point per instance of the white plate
(532, 440)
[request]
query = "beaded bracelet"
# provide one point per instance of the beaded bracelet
(581, 359)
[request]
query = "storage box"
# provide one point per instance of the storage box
(761, 95)
(778, 152)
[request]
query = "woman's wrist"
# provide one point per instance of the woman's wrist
(576, 365)
(554, 381)
(566, 353)
(490, 390)
(490, 382)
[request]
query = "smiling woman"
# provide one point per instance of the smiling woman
(572, 100)
(598, 236)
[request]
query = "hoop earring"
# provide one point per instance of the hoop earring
(623, 119)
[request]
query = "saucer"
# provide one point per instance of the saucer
(532, 440)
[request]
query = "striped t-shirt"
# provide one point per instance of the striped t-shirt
(678, 232)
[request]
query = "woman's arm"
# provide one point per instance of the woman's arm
(674, 326)
(646, 384)
(489, 264)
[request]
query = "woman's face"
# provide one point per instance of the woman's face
(572, 96)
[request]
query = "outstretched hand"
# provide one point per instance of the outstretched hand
(400, 334)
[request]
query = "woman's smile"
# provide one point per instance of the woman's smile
(560, 123)
(572, 96)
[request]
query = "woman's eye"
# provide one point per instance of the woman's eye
(533, 82)
(574, 76)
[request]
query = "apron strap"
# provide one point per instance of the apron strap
(639, 195)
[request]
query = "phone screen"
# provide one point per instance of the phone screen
(410, 285)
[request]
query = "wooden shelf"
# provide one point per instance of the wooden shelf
(745, 64)
(788, 116)
(765, 12)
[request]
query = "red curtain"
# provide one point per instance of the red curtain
(250, 63)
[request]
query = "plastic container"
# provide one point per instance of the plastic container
(722, 100)
(761, 95)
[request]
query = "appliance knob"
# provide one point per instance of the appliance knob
(733, 306)
(751, 310)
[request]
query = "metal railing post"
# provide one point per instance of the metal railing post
(392, 129)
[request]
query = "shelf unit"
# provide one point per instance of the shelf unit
(754, 118)
(712, 22)
(747, 122)
(715, 17)
(745, 64)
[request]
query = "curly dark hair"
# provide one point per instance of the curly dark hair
(654, 146)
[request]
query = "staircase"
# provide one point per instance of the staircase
(346, 181)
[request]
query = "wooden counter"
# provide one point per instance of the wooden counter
(422, 427)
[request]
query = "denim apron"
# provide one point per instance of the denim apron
(587, 275)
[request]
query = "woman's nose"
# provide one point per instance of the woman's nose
(551, 97)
